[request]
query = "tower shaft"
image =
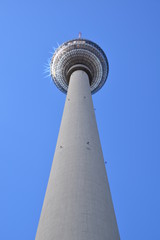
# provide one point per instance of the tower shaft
(78, 204)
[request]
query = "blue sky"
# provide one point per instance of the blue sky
(127, 107)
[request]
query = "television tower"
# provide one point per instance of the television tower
(78, 203)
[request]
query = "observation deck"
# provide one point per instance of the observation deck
(79, 54)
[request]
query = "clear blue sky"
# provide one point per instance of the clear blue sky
(127, 107)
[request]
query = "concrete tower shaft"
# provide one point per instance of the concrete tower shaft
(78, 204)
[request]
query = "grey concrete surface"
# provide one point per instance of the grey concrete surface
(78, 204)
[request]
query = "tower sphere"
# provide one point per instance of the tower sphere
(79, 54)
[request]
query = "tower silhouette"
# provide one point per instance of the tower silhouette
(78, 203)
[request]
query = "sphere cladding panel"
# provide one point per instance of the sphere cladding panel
(79, 52)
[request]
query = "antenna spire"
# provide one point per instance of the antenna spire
(80, 35)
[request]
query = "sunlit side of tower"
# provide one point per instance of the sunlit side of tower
(78, 203)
